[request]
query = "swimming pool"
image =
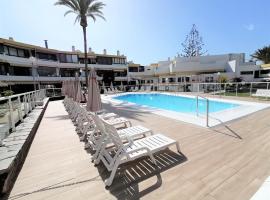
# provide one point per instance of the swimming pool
(176, 103)
(182, 107)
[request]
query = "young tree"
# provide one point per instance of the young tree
(83, 9)
(193, 44)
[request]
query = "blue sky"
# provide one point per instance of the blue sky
(145, 31)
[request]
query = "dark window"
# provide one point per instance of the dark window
(104, 60)
(163, 80)
(67, 72)
(22, 71)
(1, 48)
(62, 58)
(33, 53)
(21, 53)
(247, 73)
(257, 74)
(133, 69)
(92, 60)
(6, 50)
(171, 80)
(46, 56)
(120, 74)
(265, 71)
(46, 71)
(179, 79)
(141, 69)
(4, 69)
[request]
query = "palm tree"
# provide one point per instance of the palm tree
(263, 54)
(83, 9)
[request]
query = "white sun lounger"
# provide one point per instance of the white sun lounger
(130, 151)
(96, 138)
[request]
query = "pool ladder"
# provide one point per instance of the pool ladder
(207, 108)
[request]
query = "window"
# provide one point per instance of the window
(104, 60)
(21, 53)
(264, 71)
(22, 71)
(247, 73)
(163, 80)
(133, 69)
(46, 71)
(74, 58)
(171, 80)
(1, 48)
(62, 58)
(6, 50)
(141, 69)
(179, 79)
(69, 58)
(12, 51)
(46, 56)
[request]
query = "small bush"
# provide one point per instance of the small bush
(7, 93)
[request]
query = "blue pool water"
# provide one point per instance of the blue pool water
(175, 103)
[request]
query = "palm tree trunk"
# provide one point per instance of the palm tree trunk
(85, 56)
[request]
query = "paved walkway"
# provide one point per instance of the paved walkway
(220, 163)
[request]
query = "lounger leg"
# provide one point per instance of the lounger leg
(153, 159)
(178, 147)
(109, 181)
(97, 161)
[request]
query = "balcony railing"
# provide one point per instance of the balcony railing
(15, 108)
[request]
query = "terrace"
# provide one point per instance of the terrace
(229, 161)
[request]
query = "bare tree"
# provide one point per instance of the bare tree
(193, 44)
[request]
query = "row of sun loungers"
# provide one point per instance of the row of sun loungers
(114, 139)
(262, 93)
(142, 89)
(112, 90)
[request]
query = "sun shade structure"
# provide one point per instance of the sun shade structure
(94, 100)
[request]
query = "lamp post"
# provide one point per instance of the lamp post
(32, 59)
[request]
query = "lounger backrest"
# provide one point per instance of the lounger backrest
(99, 125)
(113, 134)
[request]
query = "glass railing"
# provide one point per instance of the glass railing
(13, 109)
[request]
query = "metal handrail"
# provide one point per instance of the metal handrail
(207, 108)
(15, 107)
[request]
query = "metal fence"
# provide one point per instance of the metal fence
(15, 108)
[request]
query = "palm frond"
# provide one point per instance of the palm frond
(69, 11)
(83, 9)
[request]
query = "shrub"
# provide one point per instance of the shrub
(7, 93)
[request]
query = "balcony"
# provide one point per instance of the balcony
(18, 79)
(46, 63)
(13, 60)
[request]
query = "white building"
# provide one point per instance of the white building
(200, 69)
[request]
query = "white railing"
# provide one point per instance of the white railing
(15, 108)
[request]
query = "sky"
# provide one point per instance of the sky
(146, 31)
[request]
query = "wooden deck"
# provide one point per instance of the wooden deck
(225, 162)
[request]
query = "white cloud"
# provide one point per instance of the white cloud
(249, 27)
